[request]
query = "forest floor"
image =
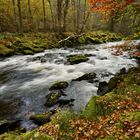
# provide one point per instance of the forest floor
(114, 116)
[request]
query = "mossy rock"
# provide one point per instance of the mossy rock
(4, 51)
(76, 59)
(52, 98)
(59, 85)
(93, 40)
(42, 118)
(28, 52)
(88, 76)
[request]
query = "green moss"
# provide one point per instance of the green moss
(28, 52)
(59, 85)
(91, 108)
(4, 51)
(132, 116)
(25, 136)
(75, 59)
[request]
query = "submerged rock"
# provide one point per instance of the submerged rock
(76, 59)
(43, 118)
(87, 76)
(59, 85)
(6, 125)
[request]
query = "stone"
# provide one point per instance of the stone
(6, 126)
(43, 118)
(63, 102)
(76, 59)
(52, 98)
(103, 88)
(87, 76)
(59, 85)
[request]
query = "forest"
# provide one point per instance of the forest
(69, 69)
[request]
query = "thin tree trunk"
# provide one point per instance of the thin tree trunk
(59, 15)
(84, 23)
(14, 10)
(78, 16)
(20, 17)
(52, 15)
(74, 15)
(65, 15)
(29, 9)
(44, 14)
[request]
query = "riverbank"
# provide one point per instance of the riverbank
(31, 43)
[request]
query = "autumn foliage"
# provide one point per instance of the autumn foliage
(109, 7)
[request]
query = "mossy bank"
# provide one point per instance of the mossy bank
(31, 43)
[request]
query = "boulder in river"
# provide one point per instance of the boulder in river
(87, 76)
(103, 88)
(59, 85)
(6, 125)
(63, 102)
(76, 59)
(52, 98)
(43, 118)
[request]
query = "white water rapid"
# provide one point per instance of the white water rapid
(26, 80)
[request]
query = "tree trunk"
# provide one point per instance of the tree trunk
(59, 15)
(52, 15)
(74, 15)
(29, 9)
(14, 9)
(20, 17)
(65, 15)
(44, 13)
(78, 16)
(84, 22)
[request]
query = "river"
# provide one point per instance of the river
(24, 80)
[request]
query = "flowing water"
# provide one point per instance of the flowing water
(24, 80)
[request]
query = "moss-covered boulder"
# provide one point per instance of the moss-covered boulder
(52, 98)
(5, 51)
(40, 119)
(59, 85)
(76, 59)
(6, 125)
(88, 76)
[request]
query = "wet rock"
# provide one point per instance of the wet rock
(43, 60)
(103, 88)
(6, 126)
(63, 102)
(52, 98)
(103, 58)
(76, 59)
(87, 76)
(8, 109)
(90, 55)
(59, 85)
(43, 118)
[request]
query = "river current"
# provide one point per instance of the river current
(25, 80)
